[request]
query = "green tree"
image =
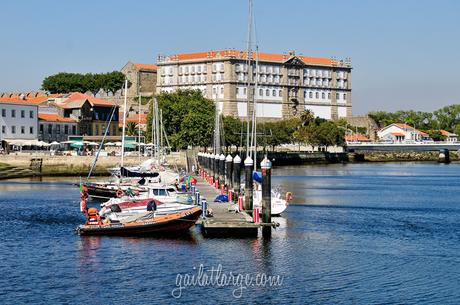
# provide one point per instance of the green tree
(188, 118)
(232, 131)
(131, 129)
(75, 82)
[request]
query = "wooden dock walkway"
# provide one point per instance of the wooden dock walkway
(225, 222)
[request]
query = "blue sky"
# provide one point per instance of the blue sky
(404, 53)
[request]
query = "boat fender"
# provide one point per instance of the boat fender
(288, 197)
(120, 193)
(152, 206)
(115, 208)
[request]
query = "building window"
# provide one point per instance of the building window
(267, 92)
(199, 69)
(274, 92)
(3, 112)
(344, 96)
(244, 91)
(280, 93)
(13, 113)
(31, 130)
(222, 90)
(237, 91)
(74, 130)
(310, 94)
(337, 96)
(329, 95)
(13, 129)
(214, 91)
(97, 130)
(50, 129)
(3, 129)
(23, 130)
(261, 92)
(58, 129)
(66, 129)
(41, 128)
(323, 95)
(31, 114)
(23, 113)
(317, 95)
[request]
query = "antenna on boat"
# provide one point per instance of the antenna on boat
(124, 122)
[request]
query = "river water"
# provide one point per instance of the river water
(384, 233)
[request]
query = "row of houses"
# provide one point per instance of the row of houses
(403, 133)
(55, 117)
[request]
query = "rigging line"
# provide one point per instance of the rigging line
(93, 165)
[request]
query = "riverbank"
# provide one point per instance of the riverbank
(19, 166)
(425, 156)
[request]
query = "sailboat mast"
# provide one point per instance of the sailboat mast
(124, 122)
(249, 93)
(254, 111)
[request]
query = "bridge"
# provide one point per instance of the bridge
(437, 146)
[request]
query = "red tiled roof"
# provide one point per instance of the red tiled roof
(398, 134)
(133, 118)
(15, 100)
(244, 54)
(404, 126)
(53, 117)
(446, 133)
(356, 137)
(40, 99)
(146, 67)
(94, 101)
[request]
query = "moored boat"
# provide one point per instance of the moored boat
(147, 224)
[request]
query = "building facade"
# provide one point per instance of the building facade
(143, 79)
(54, 127)
(287, 83)
(18, 120)
(402, 133)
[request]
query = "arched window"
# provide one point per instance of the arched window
(267, 92)
(280, 93)
(310, 94)
(344, 96)
(317, 94)
(323, 95)
(274, 92)
(261, 92)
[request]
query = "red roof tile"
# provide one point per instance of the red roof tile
(356, 137)
(53, 117)
(146, 67)
(94, 101)
(244, 54)
(15, 100)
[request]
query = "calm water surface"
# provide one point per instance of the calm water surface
(355, 234)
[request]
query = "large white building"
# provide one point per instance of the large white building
(18, 120)
(287, 83)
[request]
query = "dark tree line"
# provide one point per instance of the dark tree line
(75, 82)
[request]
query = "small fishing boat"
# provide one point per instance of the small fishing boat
(147, 224)
(116, 210)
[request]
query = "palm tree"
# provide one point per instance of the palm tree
(131, 129)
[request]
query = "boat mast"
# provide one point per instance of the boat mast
(124, 122)
(254, 111)
(248, 90)
(139, 125)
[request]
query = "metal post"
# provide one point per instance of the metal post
(228, 171)
(237, 175)
(216, 169)
(222, 168)
(266, 166)
(248, 186)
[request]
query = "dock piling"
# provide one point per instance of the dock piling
(237, 175)
(228, 171)
(266, 166)
(248, 184)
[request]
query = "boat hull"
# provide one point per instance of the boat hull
(158, 226)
